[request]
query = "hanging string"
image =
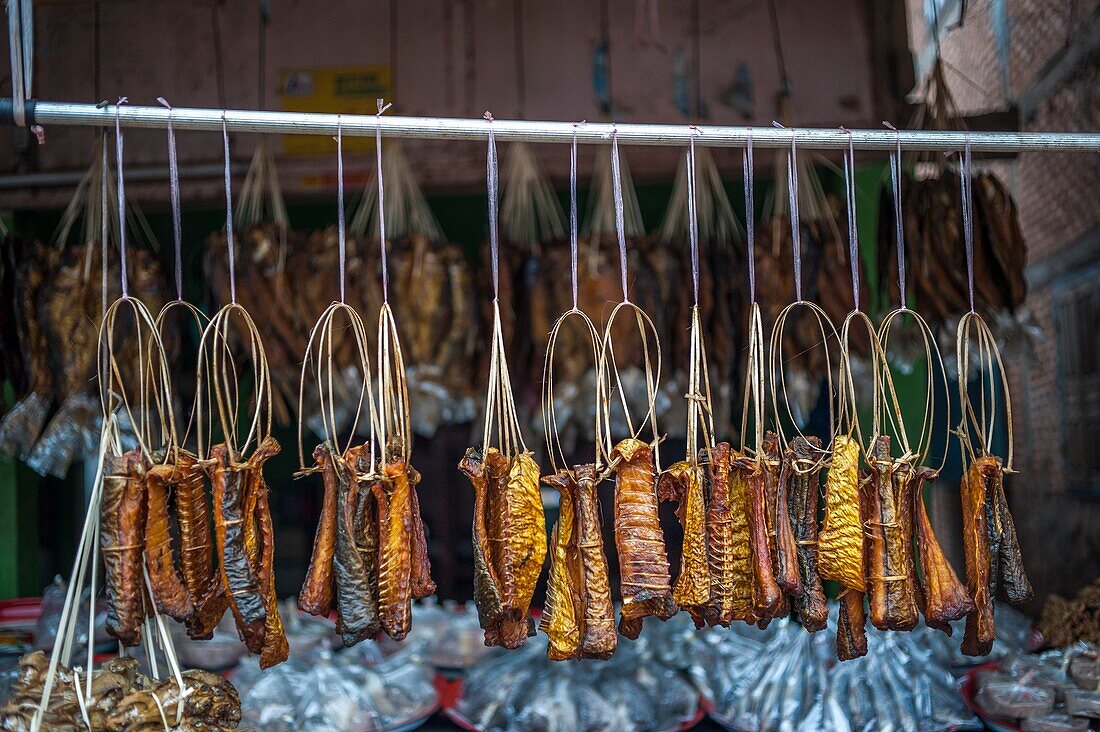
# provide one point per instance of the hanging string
(796, 231)
(899, 225)
(491, 177)
(382, 107)
(693, 222)
(965, 174)
(121, 199)
(341, 233)
(853, 235)
(617, 189)
(750, 215)
(104, 228)
(573, 243)
(229, 215)
(174, 193)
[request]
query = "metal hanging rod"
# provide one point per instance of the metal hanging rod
(444, 128)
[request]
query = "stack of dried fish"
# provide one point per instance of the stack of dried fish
(370, 554)
(509, 526)
(58, 297)
(1064, 622)
(933, 229)
(369, 558)
(121, 699)
(432, 295)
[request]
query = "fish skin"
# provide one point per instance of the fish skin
(888, 550)
(683, 483)
(768, 599)
(643, 561)
(170, 596)
(802, 490)
(392, 496)
(237, 575)
(274, 648)
(840, 543)
(599, 637)
(422, 584)
(563, 615)
(356, 600)
(487, 593)
(318, 588)
(122, 524)
(941, 597)
(523, 547)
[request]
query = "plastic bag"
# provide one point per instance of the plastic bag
(524, 691)
(335, 692)
(784, 678)
(49, 618)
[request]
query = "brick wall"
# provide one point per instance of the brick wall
(1059, 204)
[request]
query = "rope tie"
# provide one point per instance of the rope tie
(491, 178)
(573, 237)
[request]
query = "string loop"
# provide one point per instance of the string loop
(693, 215)
(573, 236)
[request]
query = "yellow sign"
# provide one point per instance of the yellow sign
(332, 90)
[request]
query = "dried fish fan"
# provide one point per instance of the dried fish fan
(578, 615)
(267, 247)
(931, 219)
(993, 559)
(803, 457)
(59, 291)
(643, 563)
(433, 297)
(243, 530)
(509, 528)
(115, 524)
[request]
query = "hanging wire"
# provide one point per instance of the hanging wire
(899, 223)
(965, 182)
(121, 199)
(573, 235)
(493, 185)
(229, 215)
(341, 228)
(853, 235)
(617, 190)
(693, 221)
(750, 215)
(382, 107)
(174, 195)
